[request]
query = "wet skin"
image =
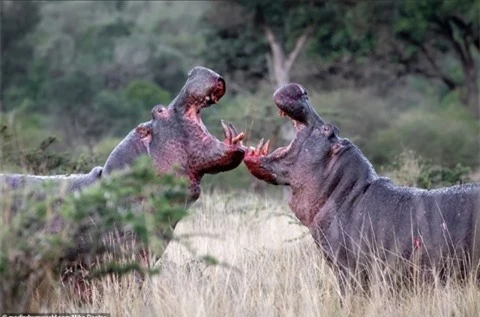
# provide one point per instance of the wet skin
(355, 216)
(176, 139)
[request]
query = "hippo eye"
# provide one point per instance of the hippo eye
(325, 128)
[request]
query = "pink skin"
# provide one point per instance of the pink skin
(271, 167)
(177, 140)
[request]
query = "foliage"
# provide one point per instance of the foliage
(446, 136)
(84, 57)
(41, 158)
(408, 169)
(433, 176)
(237, 51)
(85, 73)
(242, 39)
(430, 31)
(145, 94)
(18, 20)
(44, 231)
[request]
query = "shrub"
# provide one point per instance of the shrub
(409, 169)
(44, 231)
(145, 94)
(444, 136)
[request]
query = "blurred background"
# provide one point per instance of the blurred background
(399, 78)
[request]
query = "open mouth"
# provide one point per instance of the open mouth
(217, 92)
(297, 125)
(232, 136)
(211, 98)
(263, 147)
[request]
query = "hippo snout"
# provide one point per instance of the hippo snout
(289, 92)
(218, 90)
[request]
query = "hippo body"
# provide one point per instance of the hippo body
(363, 218)
(69, 183)
(357, 218)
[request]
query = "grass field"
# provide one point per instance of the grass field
(269, 266)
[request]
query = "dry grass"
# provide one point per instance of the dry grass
(269, 267)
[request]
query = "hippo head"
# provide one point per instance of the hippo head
(313, 149)
(179, 139)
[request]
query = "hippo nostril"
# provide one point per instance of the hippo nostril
(220, 84)
(327, 130)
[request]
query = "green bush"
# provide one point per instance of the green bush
(42, 158)
(144, 94)
(409, 169)
(44, 231)
(446, 136)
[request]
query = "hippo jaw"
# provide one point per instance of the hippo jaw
(292, 102)
(275, 167)
(180, 137)
(203, 88)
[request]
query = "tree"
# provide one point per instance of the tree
(286, 37)
(432, 31)
(17, 20)
(285, 26)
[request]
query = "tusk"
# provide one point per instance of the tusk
(238, 138)
(226, 131)
(266, 148)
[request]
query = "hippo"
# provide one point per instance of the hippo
(71, 182)
(177, 140)
(357, 218)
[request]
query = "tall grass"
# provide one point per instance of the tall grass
(268, 265)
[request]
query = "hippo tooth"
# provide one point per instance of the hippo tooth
(260, 144)
(226, 130)
(233, 129)
(266, 147)
(238, 138)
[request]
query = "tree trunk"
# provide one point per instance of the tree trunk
(281, 66)
(462, 47)
(471, 94)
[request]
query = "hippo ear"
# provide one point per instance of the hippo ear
(145, 134)
(157, 111)
(337, 148)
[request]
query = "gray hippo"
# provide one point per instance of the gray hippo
(176, 138)
(357, 218)
(71, 182)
